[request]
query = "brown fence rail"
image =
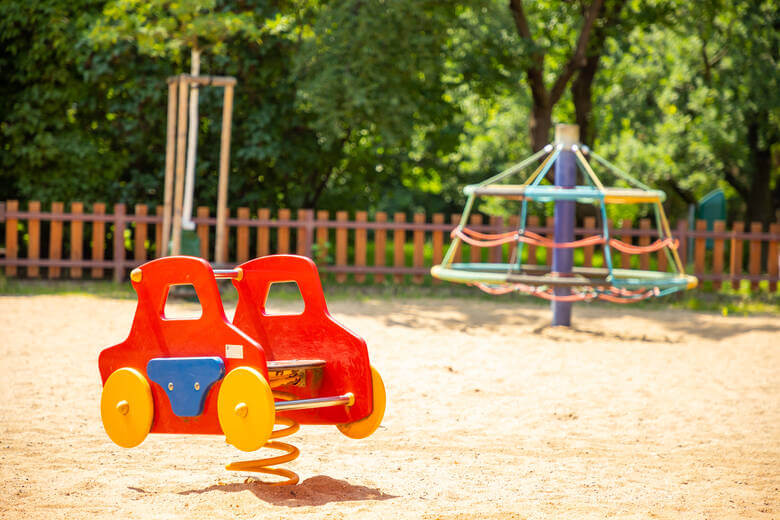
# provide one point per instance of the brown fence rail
(88, 241)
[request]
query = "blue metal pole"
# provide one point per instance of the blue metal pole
(563, 259)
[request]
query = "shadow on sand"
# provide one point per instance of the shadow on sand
(314, 491)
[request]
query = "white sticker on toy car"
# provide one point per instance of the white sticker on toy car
(234, 351)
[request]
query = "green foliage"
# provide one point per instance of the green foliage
(162, 28)
(384, 105)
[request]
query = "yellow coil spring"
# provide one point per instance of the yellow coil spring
(291, 452)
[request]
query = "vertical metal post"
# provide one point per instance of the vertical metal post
(563, 259)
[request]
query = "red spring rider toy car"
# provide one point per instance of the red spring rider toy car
(211, 376)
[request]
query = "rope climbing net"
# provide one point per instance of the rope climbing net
(618, 285)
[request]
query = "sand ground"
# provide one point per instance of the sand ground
(491, 414)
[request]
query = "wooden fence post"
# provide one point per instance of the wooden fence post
(399, 240)
(283, 233)
(34, 234)
(754, 267)
(119, 242)
(699, 249)
(380, 246)
(514, 225)
(98, 238)
(438, 243)
(242, 237)
(203, 231)
(11, 236)
(532, 225)
(587, 251)
(341, 245)
(548, 251)
(263, 233)
(139, 247)
(644, 241)
(496, 254)
(55, 238)
(626, 226)
(225, 238)
(475, 252)
(735, 264)
(76, 239)
(158, 231)
(323, 232)
(305, 232)
(360, 245)
(457, 255)
(772, 258)
(719, 226)
(682, 237)
(418, 239)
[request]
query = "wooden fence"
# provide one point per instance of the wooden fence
(80, 243)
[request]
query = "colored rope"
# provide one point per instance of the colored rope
(475, 238)
(614, 295)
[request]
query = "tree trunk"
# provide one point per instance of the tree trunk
(540, 125)
(759, 201)
(582, 95)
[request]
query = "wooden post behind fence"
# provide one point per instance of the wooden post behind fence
(181, 136)
(221, 242)
(170, 158)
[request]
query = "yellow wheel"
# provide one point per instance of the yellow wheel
(368, 425)
(245, 406)
(126, 407)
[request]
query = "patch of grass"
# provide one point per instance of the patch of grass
(100, 288)
(727, 301)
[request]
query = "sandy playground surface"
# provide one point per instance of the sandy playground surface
(491, 414)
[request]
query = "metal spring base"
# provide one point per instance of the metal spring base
(262, 465)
